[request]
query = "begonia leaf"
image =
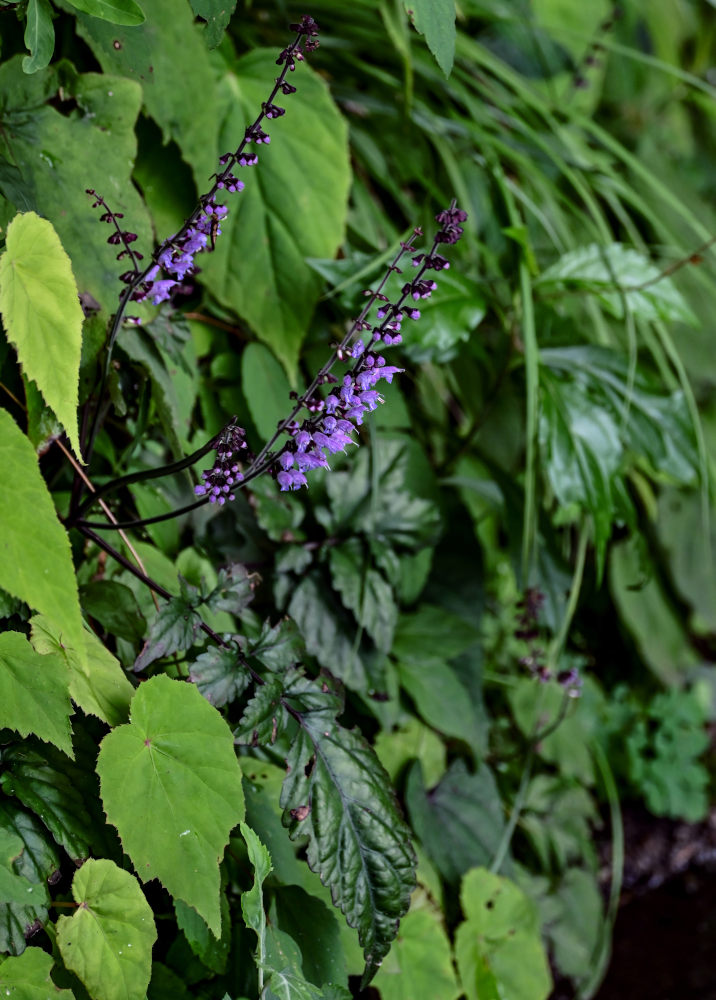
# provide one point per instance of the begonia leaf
(27, 977)
(34, 692)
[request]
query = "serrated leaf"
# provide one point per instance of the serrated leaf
(34, 692)
(435, 19)
(220, 675)
(266, 388)
(337, 793)
(31, 537)
(116, 11)
(459, 822)
(277, 647)
(55, 789)
(264, 717)
(419, 965)
(500, 937)
(100, 687)
(42, 315)
(234, 590)
(217, 14)
(39, 36)
(616, 273)
(288, 219)
(212, 952)
(14, 888)
(37, 862)
(27, 977)
(172, 631)
(176, 757)
(364, 591)
(108, 940)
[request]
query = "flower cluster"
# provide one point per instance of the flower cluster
(225, 473)
(119, 236)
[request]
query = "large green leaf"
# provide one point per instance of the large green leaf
(499, 946)
(312, 924)
(441, 698)
(432, 633)
(28, 977)
(157, 54)
(34, 695)
(419, 965)
(280, 218)
(460, 821)
(39, 36)
(265, 387)
(176, 757)
(108, 940)
(36, 862)
(116, 11)
(337, 793)
(97, 682)
(617, 274)
(35, 560)
(436, 20)
(102, 127)
(217, 14)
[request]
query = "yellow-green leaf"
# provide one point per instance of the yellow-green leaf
(34, 695)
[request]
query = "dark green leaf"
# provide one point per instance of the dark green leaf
(220, 675)
(266, 388)
(172, 631)
(140, 348)
(39, 36)
(337, 793)
(460, 821)
(441, 698)
(212, 951)
(37, 862)
(115, 607)
(364, 591)
(264, 717)
(278, 647)
(446, 320)
(234, 590)
(432, 633)
(314, 928)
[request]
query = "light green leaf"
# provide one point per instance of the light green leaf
(97, 682)
(14, 888)
(117, 11)
(280, 219)
(435, 19)
(42, 314)
(616, 274)
(217, 14)
(500, 940)
(34, 695)
(39, 36)
(35, 560)
(265, 387)
(419, 965)
(412, 740)
(108, 940)
(27, 977)
(176, 757)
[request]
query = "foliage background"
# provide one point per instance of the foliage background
(529, 516)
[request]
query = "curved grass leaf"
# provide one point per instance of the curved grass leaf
(39, 36)
(108, 940)
(337, 793)
(42, 314)
(34, 692)
(27, 977)
(31, 537)
(176, 757)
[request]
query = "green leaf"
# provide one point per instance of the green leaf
(217, 14)
(616, 274)
(28, 977)
(265, 387)
(14, 888)
(34, 695)
(37, 862)
(140, 347)
(42, 314)
(97, 682)
(172, 631)
(441, 698)
(283, 218)
(432, 633)
(115, 607)
(435, 19)
(500, 939)
(412, 740)
(264, 716)
(55, 789)
(446, 320)
(364, 591)
(313, 926)
(337, 793)
(108, 940)
(419, 965)
(212, 952)
(252, 906)
(156, 54)
(277, 647)
(460, 821)
(39, 36)
(220, 675)
(117, 11)
(572, 919)
(176, 756)
(32, 539)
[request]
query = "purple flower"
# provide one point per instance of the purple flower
(161, 290)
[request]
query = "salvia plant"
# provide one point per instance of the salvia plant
(329, 521)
